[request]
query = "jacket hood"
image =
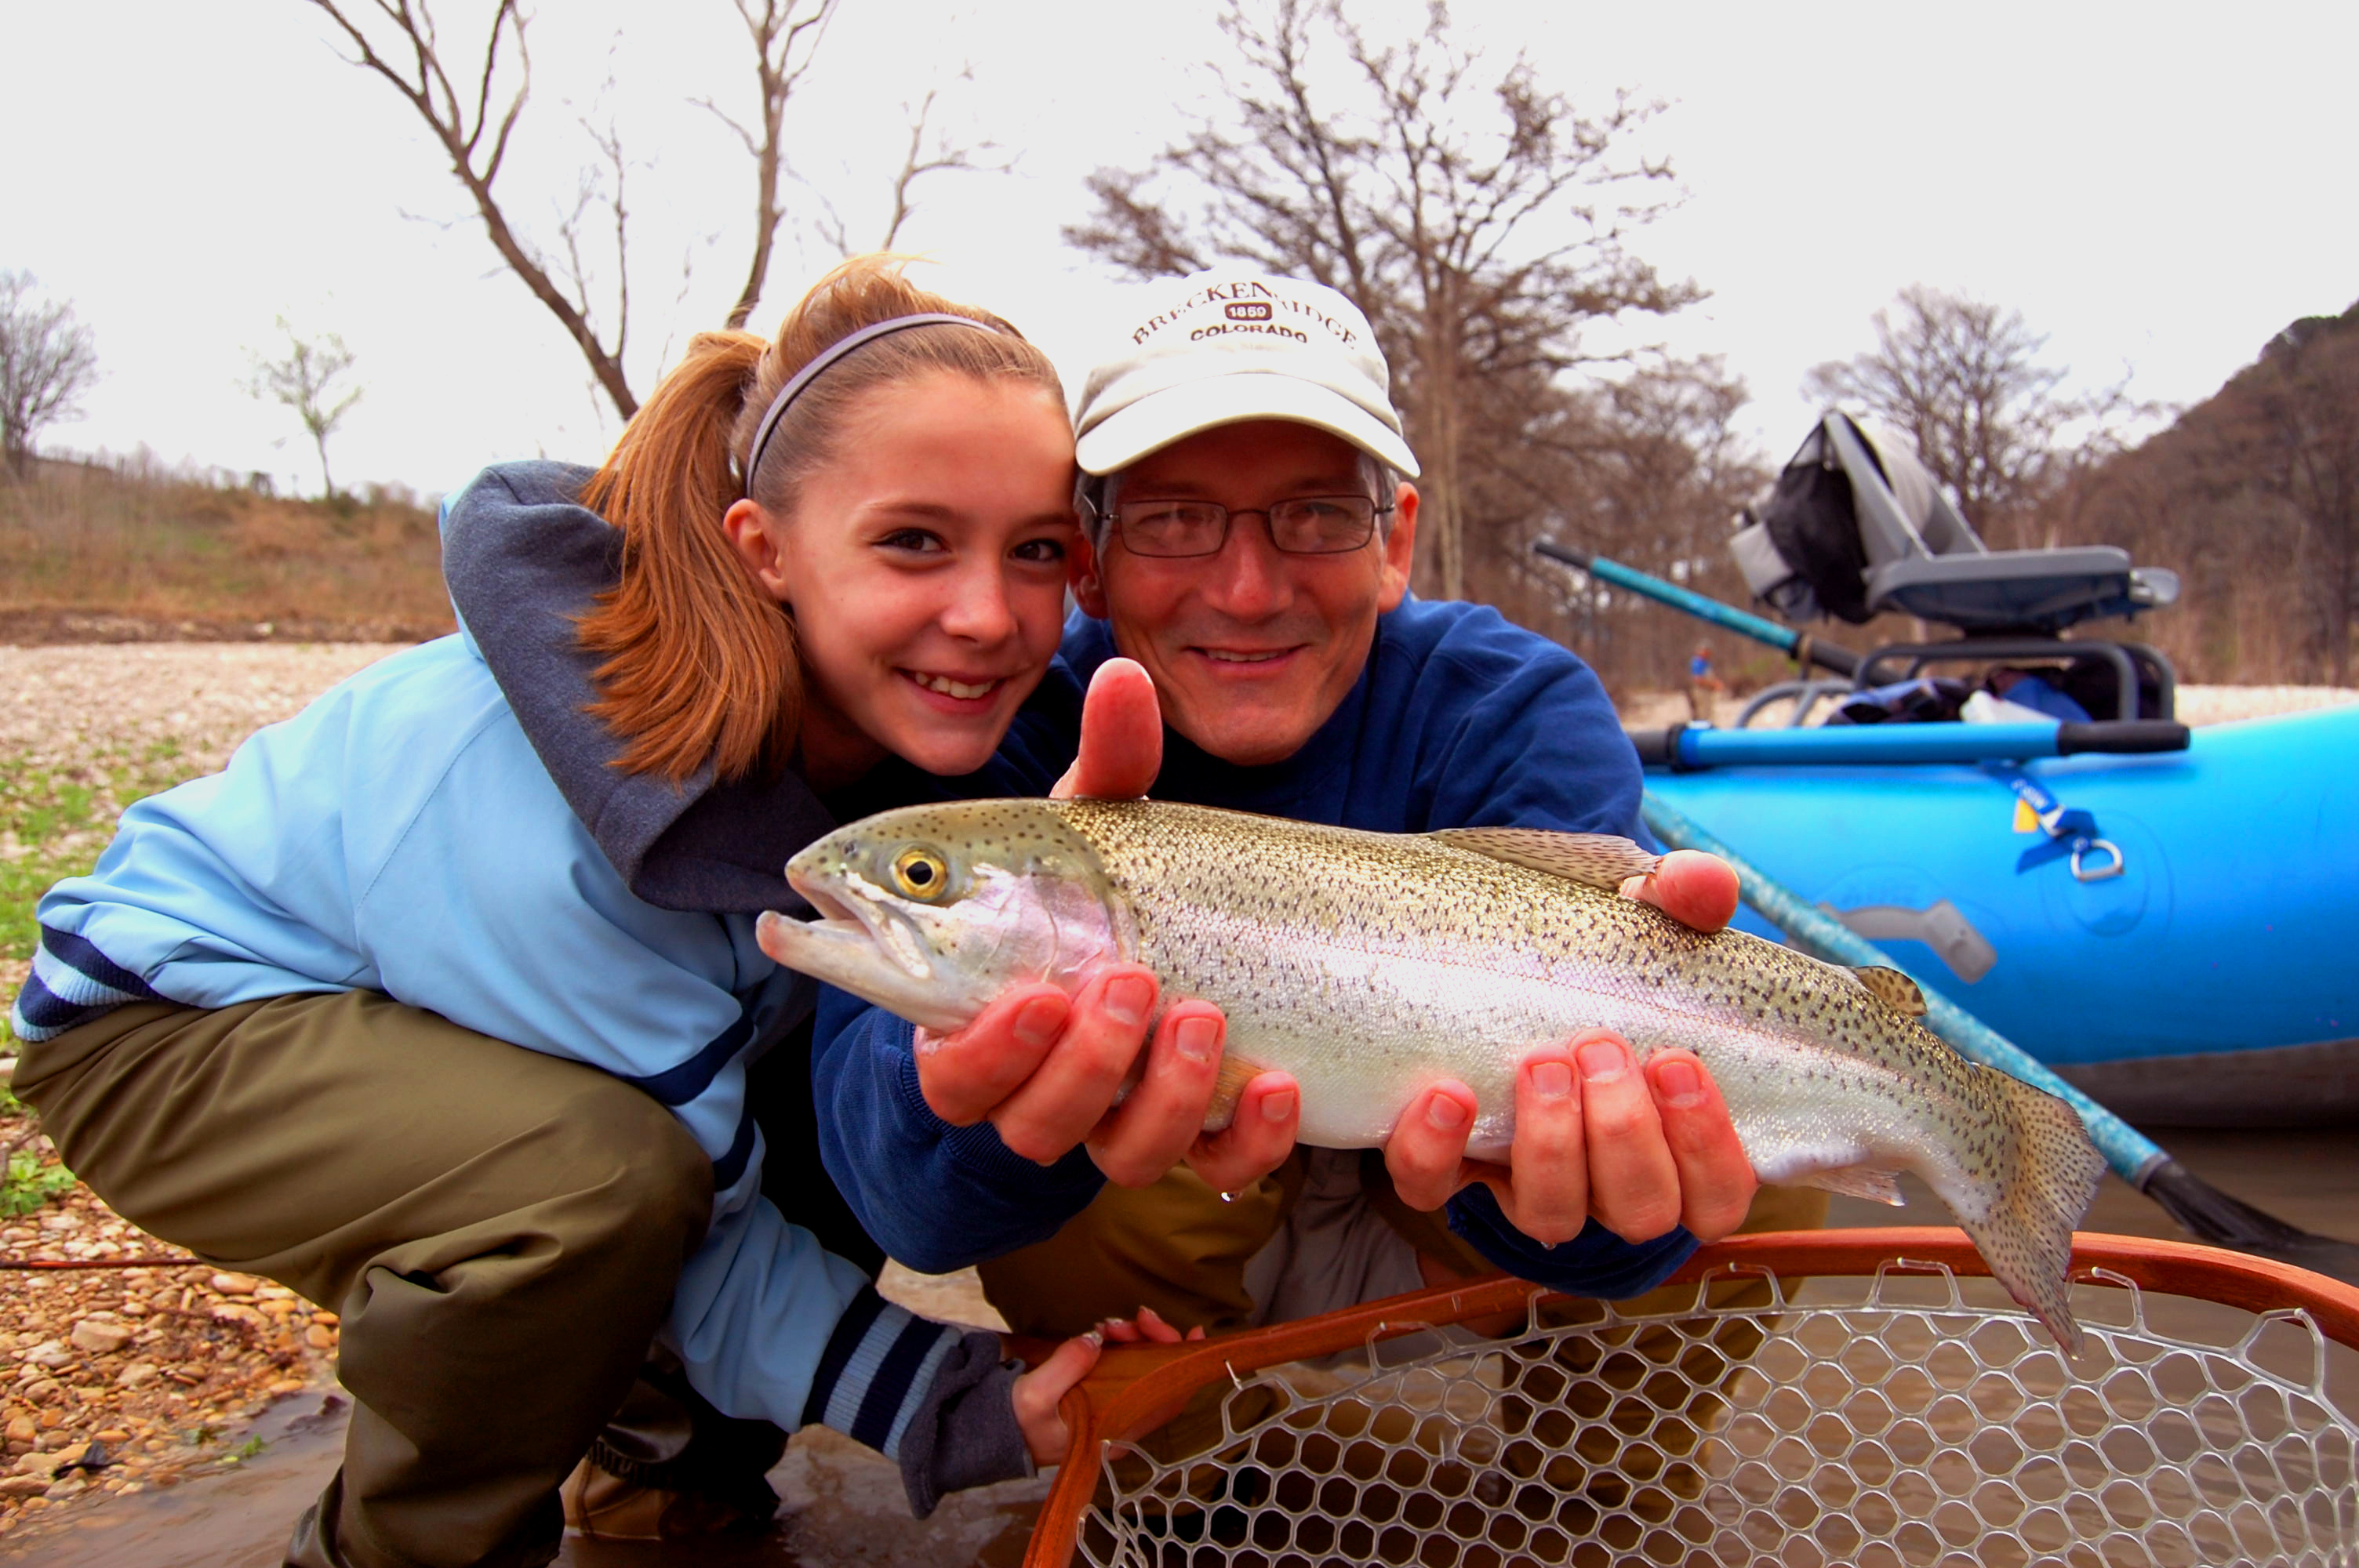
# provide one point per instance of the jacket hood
(523, 558)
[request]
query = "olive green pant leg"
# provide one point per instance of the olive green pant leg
(1174, 1245)
(501, 1231)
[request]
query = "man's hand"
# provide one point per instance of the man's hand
(1045, 1069)
(1122, 737)
(1691, 887)
(1641, 1151)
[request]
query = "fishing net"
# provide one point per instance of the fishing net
(1917, 1421)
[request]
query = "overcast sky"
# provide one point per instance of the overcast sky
(2157, 188)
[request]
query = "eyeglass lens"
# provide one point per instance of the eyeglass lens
(1311, 525)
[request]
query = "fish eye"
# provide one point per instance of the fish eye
(920, 873)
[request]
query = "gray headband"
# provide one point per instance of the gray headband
(828, 356)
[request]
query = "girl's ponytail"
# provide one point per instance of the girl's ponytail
(700, 662)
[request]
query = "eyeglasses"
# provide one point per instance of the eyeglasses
(1307, 525)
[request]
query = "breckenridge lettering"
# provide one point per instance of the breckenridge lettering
(1241, 303)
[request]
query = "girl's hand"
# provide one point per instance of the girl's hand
(1038, 1392)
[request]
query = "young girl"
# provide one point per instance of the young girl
(438, 1005)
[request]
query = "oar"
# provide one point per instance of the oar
(1804, 648)
(2208, 1213)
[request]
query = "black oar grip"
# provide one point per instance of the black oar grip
(2121, 736)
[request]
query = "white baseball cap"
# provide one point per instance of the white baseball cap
(1229, 345)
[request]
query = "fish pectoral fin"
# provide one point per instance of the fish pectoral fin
(1593, 860)
(1893, 988)
(1229, 1081)
(1871, 1182)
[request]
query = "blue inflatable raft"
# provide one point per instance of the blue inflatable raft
(2178, 933)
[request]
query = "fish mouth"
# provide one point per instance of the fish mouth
(863, 946)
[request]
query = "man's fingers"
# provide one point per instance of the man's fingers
(963, 1075)
(1550, 1198)
(1152, 1129)
(1716, 1181)
(1122, 737)
(1071, 1091)
(1691, 887)
(1633, 1185)
(1428, 1146)
(1257, 1140)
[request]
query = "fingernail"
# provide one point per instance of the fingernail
(1552, 1080)
(1278, 1106)
(1038, 1021)
(1445, 1113)
(1094, 1340)
(1680, 1083)
(1602, 1061)
(1127, 1000)
(1199, 1039)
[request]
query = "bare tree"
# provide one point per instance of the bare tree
(304, 378)
(2306, 405)
(475, 119)
(47, 361)
(942, 155)
(1963, 379)
(1476, 215)
(1648, 469)
(475, 114)
(786, 38)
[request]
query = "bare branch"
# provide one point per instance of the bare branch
(431, 92)
(786, 36)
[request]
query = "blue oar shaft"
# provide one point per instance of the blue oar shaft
(2130, 1152)
(1778, 637)
(1841, 660)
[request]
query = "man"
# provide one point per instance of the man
(1248, 546)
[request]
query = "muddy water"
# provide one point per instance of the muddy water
(843, 1504)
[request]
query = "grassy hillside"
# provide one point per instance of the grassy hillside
(98, 554)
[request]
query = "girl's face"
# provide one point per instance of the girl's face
(925, 567)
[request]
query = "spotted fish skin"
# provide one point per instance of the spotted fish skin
(1371, 966)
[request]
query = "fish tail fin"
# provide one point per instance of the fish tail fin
(2026, 1233)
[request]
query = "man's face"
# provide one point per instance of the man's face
(1252, 649)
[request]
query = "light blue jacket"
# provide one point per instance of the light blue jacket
(409, 833)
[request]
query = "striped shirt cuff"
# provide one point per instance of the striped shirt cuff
(879, 1367)
(72, 983)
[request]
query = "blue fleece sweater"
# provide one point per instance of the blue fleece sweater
(1459, 720)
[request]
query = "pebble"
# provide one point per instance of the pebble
(236, 1285)
(99, 1337)
(51, 1353)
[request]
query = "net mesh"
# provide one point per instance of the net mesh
(1882, 1431)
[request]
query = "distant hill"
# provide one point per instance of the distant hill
(2253, 497)
(128, 553)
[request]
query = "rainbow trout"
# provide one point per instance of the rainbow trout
(1371, 965)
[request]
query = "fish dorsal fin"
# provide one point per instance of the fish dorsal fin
(1593, 860)
(1893, 988)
